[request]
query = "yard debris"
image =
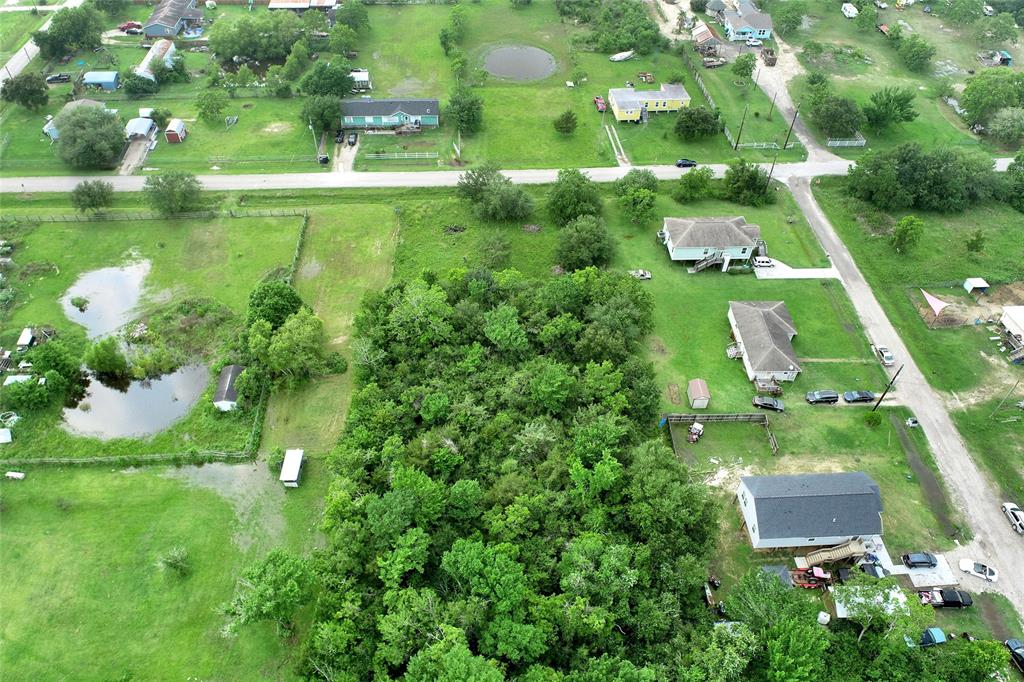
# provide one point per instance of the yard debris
(532, 229)
(454, 229)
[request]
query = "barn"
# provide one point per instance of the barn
(176, 131)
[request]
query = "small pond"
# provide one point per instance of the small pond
(519, 63)
(112, 295)
(136, 408)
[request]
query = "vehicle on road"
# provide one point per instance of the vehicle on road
(1015, 515)
(763, 262)
(754, 42)
(825, 396)
(599, 103)
(769, 403)
(1016, 648)
(885, 356)
(979, 570)
(58, 78)
(920, 560)
(133, 31)
(352, 138)
(686, 163)
(640, 274)
(129, 24)
(946, 599)
(858, 396)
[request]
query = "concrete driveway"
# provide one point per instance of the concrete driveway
(972, 491)
(780, 270)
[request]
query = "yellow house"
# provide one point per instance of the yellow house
(633, 105)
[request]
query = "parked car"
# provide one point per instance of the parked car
(920, 560)
(754, 42)
(769, 403)
(641, 274)
(599, 103)
(685, 163)
(65, 59)
(858, 396)
(1015, 515)
(129, 24)
(885, 356)
(352, 139)
(979, 570)
(826, 396)
(881, 5)
(946, 599)
(323, 159)
(58, 78)
(1016, 648)
(763, 262)
(133, 31)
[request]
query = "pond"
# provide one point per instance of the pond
(519, 63)
(137, 408)
(111, 295)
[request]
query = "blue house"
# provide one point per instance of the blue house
(107, 80)
(169, 17)
(746, 21)
(389, 113)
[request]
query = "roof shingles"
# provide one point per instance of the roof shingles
(816, 505)
(766, 330)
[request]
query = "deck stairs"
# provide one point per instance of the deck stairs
(712, 259)
(828, 555)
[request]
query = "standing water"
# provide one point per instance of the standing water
(111, 294)
(519, 63)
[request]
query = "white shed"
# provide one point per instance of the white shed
(850, 11)
(1013, 321)
(291, 469)
(27, 339)
(972, 284)
(5, 436)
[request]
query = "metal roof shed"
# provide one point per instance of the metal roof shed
(101, 79)
(225, 398)
(972, 284)
(291, 468)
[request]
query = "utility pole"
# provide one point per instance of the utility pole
(769, 182)
(772, 107)
(316, 147)
(792, 123)
(891, 382)
(1005, 397)
(736, 144)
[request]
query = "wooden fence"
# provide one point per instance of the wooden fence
(742, 417)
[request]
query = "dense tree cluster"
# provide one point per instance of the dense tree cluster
(71, 29)
(494, 196)
(90, 137)
(498, 511)
(909, 176)
(26, 89)
(991, 91)
(618, 25)
(263, 36)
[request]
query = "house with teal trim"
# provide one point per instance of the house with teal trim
(746, 21)
(705, 242)
(366, 112)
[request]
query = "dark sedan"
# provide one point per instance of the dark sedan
(686, 163)
(1016, 648)
(920, 560)
(825, 396)
(859, 396)
(769, 403)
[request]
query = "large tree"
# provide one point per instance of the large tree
(273, 301)
(997, 30)
(963, 12)
(71, 29)
(890, 105)
(343, 39)
(696, 122)
(263, 36)
(26, 89)
(916, 53)
(747, 184)
(583, 243)
(573, 195)
(173, 192)
(465, 109)
(271, 589)
(90, 137)
(328, 79)
(210, 105)
(990, 91)
(1007, 125)
(92, 195)
(323, 112)
(837, 116)
(354, 15)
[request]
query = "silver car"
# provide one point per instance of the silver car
(1015, 515)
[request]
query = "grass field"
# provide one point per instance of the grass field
(16, 29)
(956, 359)
(78, 556)
(996, 441)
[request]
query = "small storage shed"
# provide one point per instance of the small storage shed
(176, 131)
(291, 468)
(849, 10)
(26, 339)
(5, 438)
(139, 128)
(698, 394)
(225, 398)
(107, 80)
(975, 284)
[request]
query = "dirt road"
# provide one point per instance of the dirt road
(973, 493)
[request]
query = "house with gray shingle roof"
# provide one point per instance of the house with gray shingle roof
(690, 240)
(366, 112)
(746, 21)
(169, 17)
(764, 332)
(809, 510)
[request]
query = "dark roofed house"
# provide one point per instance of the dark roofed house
(169, 17)
(710, 241)
(389, 113)
(809, 510)
(225, 398)
(764, 331)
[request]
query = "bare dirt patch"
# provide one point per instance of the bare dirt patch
(406, 86)
(310, 269)
(279, 127)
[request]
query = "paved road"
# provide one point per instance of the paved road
(972, 491)
(27, 52)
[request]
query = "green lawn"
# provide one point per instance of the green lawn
(78, 556)
(953, 359)
(15, 31)
(997, 441)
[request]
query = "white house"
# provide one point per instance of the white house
(849, 10)
(225, 398)
(291, 468)
(746, 21)
(809, 510)
(714, 240)
(764, 332)
(163, 50)
(360, 80)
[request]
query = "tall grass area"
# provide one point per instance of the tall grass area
(952, 359)
(997, 442)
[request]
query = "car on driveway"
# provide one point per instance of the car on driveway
(129, 24)
(686, 163)
(946, 599)
(133, 31)
(885, 355)
(763, 262)
(754, 42)
(859, 396)
(768, 403)
(58, 78)
(979, 570)
(826, 396)
(352, 138)
(599, 103)
(640, 274)
(920, 560)
(1016, 648)
(1015, 515)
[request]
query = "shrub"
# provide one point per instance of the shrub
(584, 242)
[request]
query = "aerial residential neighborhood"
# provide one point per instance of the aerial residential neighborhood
(512, 340)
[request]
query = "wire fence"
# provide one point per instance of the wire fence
(134, 460)
(389, 156)
(108, 216)
(857, 141)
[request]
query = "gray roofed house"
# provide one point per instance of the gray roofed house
(746, 21)
(809, 510)
(366, 112)
(630, 104)
(225, 398)
(764, 331)
(170, 16)
(694, 239)
(715, 7)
